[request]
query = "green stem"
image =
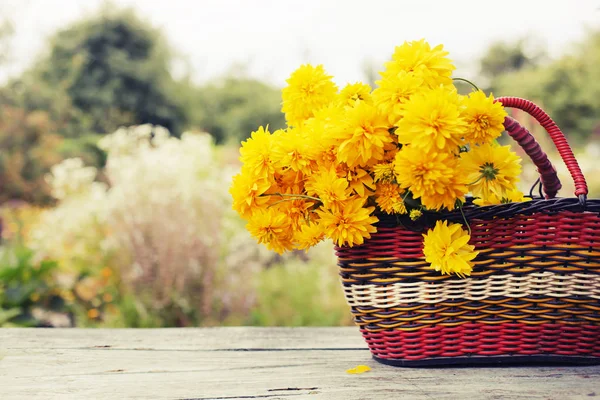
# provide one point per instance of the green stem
(477, 180)
(467, 81)
(460, 207)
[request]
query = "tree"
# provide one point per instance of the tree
(567, 88)
(114, 70)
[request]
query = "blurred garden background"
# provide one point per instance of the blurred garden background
(116, 159)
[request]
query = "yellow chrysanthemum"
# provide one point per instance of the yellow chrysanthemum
(432, 121)
(349, 224)
(415, 214)
(328, 187)
(288, 181)
(296, 209)
(272, 228)
(388, 197)
(318, 133)
(446, 248)
(435, 178)
(293, 150)
(394, 91)
(246, 191)
(417, 57)
(363, 136)
(353, 93)
(384, 172)
(309, 88)
(491, 169)
(359, 180)
(484, 118)
(256, 153)
(308, 235)
(511, 196)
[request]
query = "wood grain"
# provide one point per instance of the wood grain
(249, 363)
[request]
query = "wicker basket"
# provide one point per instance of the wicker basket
(534, 293)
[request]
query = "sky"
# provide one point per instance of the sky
(271, 38)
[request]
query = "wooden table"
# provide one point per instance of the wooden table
(249, 363)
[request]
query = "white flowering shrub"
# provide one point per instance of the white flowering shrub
(163, 223)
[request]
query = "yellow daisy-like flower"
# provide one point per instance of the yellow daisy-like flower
(435, 178)
(417, 57)
(353, 93)
(288, 181)
(384, 172)
(415, 214)
(272, 228)
(246, 191)
(363, 136)
(491, 170)
(484, 118)
(389, 198)
(317, 131)
(349, 224)
(394, 91)
(432, 121)
(446, 248)
(256, 153)
(293, 150)
(309, 88)
(308, 235)
(328, 187)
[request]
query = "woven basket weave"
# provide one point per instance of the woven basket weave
(533, 295)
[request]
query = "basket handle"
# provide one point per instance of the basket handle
(565, 151)
(548, 176)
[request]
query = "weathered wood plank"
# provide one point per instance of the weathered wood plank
(228, 364)
(184, 338)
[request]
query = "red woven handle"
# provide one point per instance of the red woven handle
(548, 176)
(557, 137)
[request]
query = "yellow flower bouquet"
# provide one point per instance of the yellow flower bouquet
(348, 156)
(441, 259)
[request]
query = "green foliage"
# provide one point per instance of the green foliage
(301, 293)
(567, 88)
(25, 284)
(114, 69)
(231, 110)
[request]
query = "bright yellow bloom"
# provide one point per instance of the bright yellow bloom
(389, 198)
(246, 191)
(272, 228)
(415, 214)
(309, 88)
(308, 235)
(394, 91)
(484, 118)
(293, 150)
(296, 209)
(349, 224)
(435, 178)
(288, 181)
(328, 187)
(511, 196)
(418, 58)
(384, 172)
(351, 94)
(363, 136)
(318, 133)
(359, 179)
(490, 170)
(256, 153)
(446, 248)
(432, 121)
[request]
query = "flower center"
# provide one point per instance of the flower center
(488, 171)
